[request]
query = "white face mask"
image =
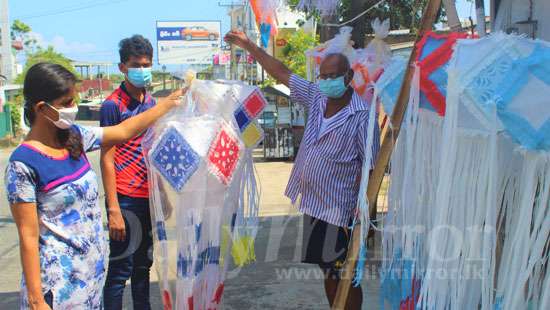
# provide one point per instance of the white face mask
(66, 116)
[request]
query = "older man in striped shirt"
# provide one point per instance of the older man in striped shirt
(325, 177)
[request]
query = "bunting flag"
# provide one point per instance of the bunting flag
(265, 12)
(367, 64)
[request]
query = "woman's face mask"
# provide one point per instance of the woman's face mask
(66, 116)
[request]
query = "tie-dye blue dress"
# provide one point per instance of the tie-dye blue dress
(72, 243)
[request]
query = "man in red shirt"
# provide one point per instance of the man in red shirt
(125, 181)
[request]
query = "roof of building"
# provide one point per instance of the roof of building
(278, 89)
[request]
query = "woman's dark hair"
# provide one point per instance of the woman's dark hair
(136, 46)
(48, 82)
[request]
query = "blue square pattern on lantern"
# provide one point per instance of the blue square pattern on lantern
(175, 159)
(242, 118)
(390, 82)
(516, 87)
(161, 231)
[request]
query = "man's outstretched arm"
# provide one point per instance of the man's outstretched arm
(272, 66)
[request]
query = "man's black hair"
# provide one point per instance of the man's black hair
(136, 46)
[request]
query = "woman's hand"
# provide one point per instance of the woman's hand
(37, 302)
(133, 126)
(42, 305)
(26, 218)
(174, 99)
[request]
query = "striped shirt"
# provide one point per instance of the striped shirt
(327, 169)
(130, 169)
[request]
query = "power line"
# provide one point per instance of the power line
(75, 4)
(355, 18)
(70, 9)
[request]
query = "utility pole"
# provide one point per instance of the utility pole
(5, 52)
(327, 32)
(245, 30)
(163, 77)
(480, 16)
(100, 80)
(232, 67)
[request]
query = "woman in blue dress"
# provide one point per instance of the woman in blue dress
(53, 193)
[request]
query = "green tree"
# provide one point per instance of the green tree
(295, 51)
(15, 113)
(45, 55)
(268, 81)
(21, 31)
(403, 14)
(117, 78)
(40, 55)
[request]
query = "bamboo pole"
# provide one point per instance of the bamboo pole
(388, 142)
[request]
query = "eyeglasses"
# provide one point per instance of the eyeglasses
(329, 76)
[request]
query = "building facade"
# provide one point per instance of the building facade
(529, 17)
(7, 63)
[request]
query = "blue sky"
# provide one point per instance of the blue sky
(91, 29)
(93, 33)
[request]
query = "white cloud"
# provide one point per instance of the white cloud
(75, 50)
(60, 44)
(72, 48)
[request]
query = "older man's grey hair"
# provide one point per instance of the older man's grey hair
(342, 60)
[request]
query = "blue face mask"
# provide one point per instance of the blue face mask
(140, 77)
(333, 88)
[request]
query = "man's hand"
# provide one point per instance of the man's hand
(238, 38)
(272, 66)
(117, 227)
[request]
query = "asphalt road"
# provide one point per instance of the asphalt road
(277, 280)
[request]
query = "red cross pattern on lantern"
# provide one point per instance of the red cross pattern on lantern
(430, 61)
(224, 155)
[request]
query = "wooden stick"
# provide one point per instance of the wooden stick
(388, 142)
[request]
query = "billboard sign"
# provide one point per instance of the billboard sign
(281, 41)
(223, 58)
(188, 42)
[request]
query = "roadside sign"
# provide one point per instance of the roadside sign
(188, 42)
